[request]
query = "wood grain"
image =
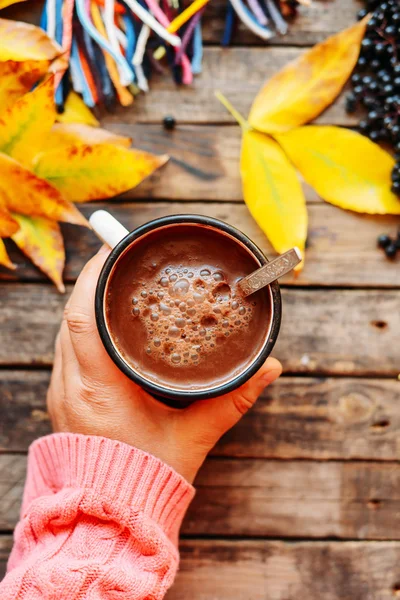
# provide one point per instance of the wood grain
(311, 418)
(311, 25)
(272, 570)
(335, 256)
(307, 499)
(324, 331)
(6, 542)
(269, 570)
(238, 73)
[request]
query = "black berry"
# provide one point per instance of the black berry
(384, 240)
(351, 103)
(376, 80)
(391, 250)
(169, 123)
(396, 187)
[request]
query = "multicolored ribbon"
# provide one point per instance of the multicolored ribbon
(113, 45)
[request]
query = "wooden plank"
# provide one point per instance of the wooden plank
(311, 25)
(23, 408)
(267, 570)
(6, 542)
(346, 500)
(350, 332)
(12, 478)
(335, 256)
(295, 418)
(275, 570)
(238, 73)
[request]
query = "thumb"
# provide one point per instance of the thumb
(216, 416)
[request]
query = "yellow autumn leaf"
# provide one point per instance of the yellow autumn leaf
(344, 167)
(63, 134)
(76, 111)
(21, 41)
(41, 240)
(17, 78)
(309, 84)
(8, 225)
(26, 124)
(5, 3)
(272, 192)
(4, 258)
(21, 191)
(83, 172)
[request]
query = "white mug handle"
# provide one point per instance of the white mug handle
(107, 228)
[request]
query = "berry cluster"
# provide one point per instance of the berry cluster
(390, 245)
(376, 78)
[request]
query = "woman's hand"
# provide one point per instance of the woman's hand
(88, 394)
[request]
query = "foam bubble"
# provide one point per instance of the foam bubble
(165, 309)
(199, 298)
(181, 287)
(189, 316)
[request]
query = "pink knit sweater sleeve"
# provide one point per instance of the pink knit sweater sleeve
(100, 521)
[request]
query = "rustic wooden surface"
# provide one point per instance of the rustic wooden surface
(302, 498)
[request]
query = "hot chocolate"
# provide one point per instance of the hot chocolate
(174, 310)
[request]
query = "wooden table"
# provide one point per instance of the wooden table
(302, 498)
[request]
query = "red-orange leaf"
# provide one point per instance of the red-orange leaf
(4, 258)
(8, 225)
(21, 41)
(25, 193)
(17, 78)
(25, 124)
(41, 240)
(64, 134)
(83, 172)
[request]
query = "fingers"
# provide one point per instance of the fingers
(80, 317)
(220, 414)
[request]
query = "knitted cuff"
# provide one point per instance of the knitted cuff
(131, 478)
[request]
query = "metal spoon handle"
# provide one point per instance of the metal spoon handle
(270, 272)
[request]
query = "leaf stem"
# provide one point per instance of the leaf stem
(235, 114)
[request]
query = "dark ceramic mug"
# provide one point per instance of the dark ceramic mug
(121, 241)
